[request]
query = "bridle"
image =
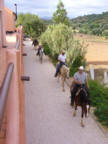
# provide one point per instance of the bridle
(80, 89)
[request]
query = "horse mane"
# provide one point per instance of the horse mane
(83, 95)
(65, 67)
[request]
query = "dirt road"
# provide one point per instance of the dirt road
(49, 117)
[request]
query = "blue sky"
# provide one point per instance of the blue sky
(45, 8)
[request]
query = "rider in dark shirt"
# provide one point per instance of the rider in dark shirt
(35, 42)
(39, 48)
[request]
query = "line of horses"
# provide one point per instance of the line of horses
(80, 99)
(80, 96)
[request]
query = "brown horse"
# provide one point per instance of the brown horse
(64, 73)
(81, 100)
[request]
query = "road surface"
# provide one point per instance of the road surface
(49, 117)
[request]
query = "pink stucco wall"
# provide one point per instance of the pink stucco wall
(9, 20)
(2, 24)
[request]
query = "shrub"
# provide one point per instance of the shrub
(99, 99)
(96, 31)
(97, 92)
(32, 24)
(105, 33)
(60, 37)
(102, 113)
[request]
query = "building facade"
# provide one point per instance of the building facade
(10, 20)
(2, 24)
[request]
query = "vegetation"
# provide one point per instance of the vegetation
(32, 24)
(60, 16)
(59, 37)
(96, 24)
(99, 99)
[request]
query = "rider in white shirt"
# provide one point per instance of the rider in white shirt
(62, 61)
(62, 57)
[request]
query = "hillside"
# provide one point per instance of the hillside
(96, 24)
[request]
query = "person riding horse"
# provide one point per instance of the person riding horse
(62, 61)
(35, 43)
(39, 49)
(80, 80)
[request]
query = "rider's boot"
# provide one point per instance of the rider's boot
(55, 74)
(72, 100)
(72, 103)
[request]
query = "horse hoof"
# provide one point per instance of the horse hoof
(74, 114)
(82, 125)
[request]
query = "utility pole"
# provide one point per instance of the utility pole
(16, 10)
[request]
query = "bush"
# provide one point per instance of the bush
(83, 31)
(32, 24)
(58, 37)
(47, 50)
(96, 31)
(102, 113)
(105, 33)
(99, 99)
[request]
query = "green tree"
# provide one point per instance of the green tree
(59, 37)
(60, 16)
(32, 24)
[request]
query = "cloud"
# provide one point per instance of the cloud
(45, 8)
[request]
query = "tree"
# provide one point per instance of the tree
(32, 24)
(60, 36)
(60, 16)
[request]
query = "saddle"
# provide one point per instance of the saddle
(81, 88)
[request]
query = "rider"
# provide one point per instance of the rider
(62, 61)
(80, 79)
(35, 42)
(40, 48)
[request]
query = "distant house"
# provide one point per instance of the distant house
(10, 20)
(2, 24)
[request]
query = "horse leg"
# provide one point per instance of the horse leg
(82, 117)
(87, 110)
(63, 80)
(58, 78)
(75, 112)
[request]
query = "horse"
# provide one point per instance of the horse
(41, 52)
(81, 100)
(64, 73)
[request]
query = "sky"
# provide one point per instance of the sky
(45, 8)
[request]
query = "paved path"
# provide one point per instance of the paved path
(49, 117)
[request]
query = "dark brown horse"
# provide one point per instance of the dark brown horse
(81, 100)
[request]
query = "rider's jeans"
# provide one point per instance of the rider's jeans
(59, 66)
(38, 51)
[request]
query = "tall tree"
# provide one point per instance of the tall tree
(32, 24)
(60, 15)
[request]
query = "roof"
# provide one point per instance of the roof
(9, 10)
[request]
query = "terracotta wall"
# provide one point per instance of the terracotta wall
(9, 20)
(2, 24)
(13, 128)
